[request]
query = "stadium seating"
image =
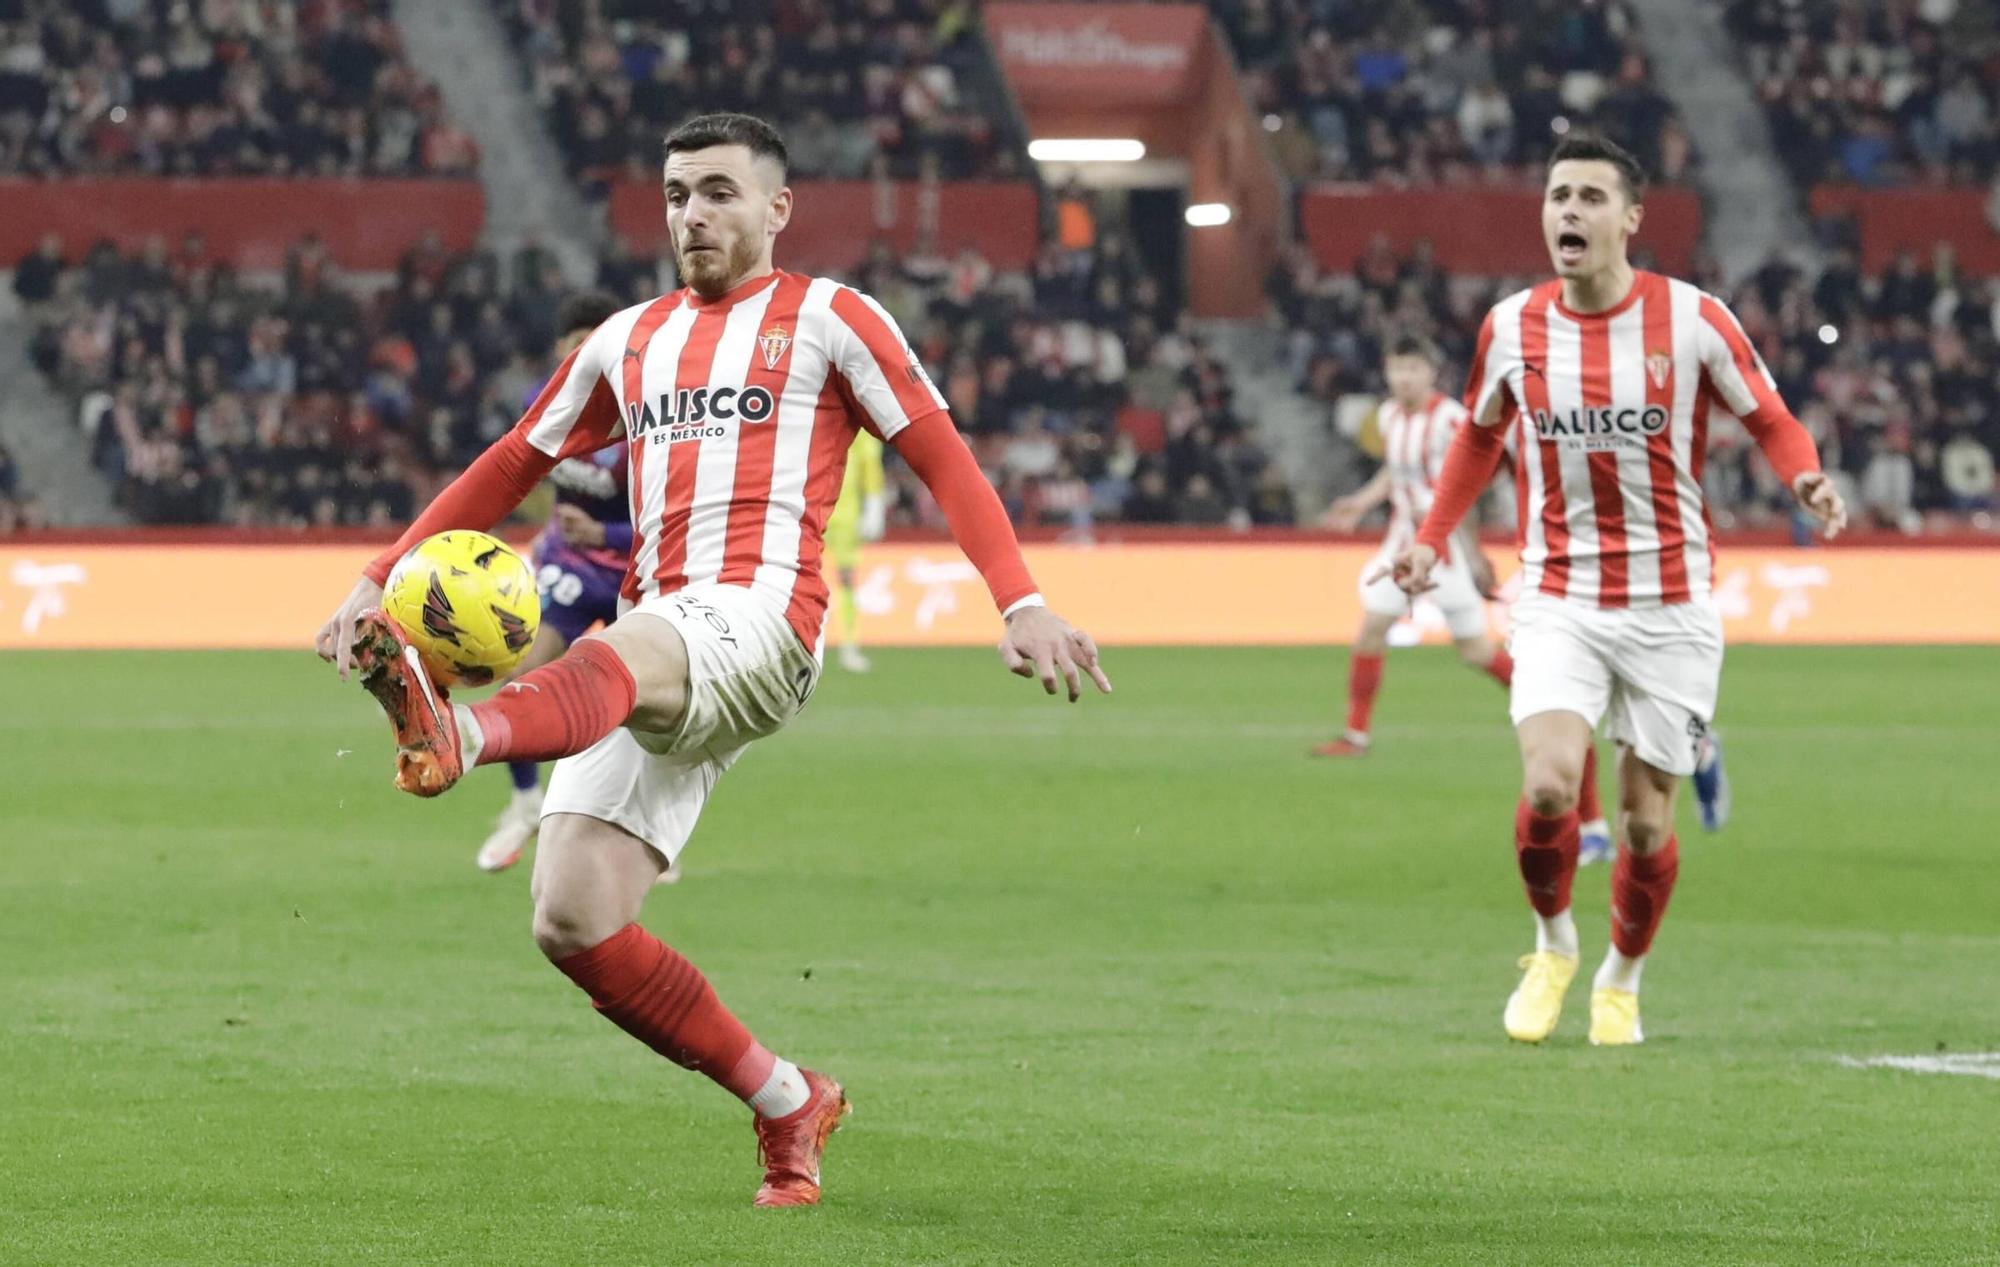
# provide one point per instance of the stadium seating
(308, 400)
(93, 87)
(1403, 92)
(1876, 95)
(859, 88)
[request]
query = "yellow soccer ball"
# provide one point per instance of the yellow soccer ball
(467, 603)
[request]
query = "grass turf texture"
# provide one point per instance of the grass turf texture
(1134, 982)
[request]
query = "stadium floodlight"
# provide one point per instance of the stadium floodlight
(1203, 215)
(1086, 150)
(1829, 335)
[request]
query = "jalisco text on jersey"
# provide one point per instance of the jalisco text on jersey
(1556, 424)
(690, 405)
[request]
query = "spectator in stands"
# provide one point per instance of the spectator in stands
(117, 86)
(36, 273)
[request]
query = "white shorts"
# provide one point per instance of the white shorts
(1456, 596)
(748, 676)
(1651, 674)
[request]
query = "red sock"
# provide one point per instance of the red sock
(1502, 667)
(1546, 849)
(646, 988)
(1364, 678)
(1588, 808)
(559, 709)
(1640, 887)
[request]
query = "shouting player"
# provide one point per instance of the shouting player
(580, 560)
(1417, 423)
(858, 515)
(739, 396)
(1615, 377)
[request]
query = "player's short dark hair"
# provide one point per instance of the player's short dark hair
(1591, 147)
(1410, 343)
(709, 130)
(584, 311)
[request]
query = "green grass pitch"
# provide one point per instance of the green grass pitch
(1130, 982)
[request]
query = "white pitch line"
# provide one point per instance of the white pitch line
(1977, 1064)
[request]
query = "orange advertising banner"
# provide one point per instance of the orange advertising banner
(224, 596)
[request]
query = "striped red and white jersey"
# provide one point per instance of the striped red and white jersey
(739, 412)
(1413, 448)
(1613, 411)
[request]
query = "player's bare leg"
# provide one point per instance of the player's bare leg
(1488, 655)
(1364, 679)
(591, 878)
(1642, 881)
(522, 817)
(1553, 747)
(848, 609)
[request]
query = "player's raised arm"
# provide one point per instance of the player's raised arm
(1729, 362)
(576, 413)
(888, 383)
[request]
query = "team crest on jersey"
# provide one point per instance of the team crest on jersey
(1659, 365)
(774, 342)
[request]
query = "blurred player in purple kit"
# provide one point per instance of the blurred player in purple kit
(580, 560)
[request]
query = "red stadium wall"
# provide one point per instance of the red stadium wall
(1891, 220)
(835, 221)
(1483, 232)
(367, 224)
(1285, 589)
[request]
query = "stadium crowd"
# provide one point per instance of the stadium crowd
(1424, 91)
(1896, 376)
(859, 87)
(184, 88)
(209, 397)
(1906, 92)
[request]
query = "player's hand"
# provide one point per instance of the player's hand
(1484, 578)
(1343, 516)
(1411, 569)
(1041, 644)
(1819, 498)
(577, 527)
(336, 637)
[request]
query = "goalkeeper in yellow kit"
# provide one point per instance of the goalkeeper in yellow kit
(857, 516)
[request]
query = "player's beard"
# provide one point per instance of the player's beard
(711, 273)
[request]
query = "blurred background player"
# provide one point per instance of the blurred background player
(1417, 423)
(858, 516)
(580, 560)
(1615, 376)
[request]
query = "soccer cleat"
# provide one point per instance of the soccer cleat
(852, 659)
(1614, 1018)
(428, 756)
(1594, 843)
(1345, 746)
(517, 826)
(791, 1146)
(1537, 1003)
(1711, 784)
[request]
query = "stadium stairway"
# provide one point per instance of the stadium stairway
(1750, 210)
(462, 45)
(1296, 431)
(39, 428)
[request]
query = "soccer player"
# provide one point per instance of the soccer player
(858, 515)
(739, 396)
(1614, 377)
(580, 560)
(1417, 423)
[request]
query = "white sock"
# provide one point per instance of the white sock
(1359, 738)
(1596, 827)
(1556, 932)
(784, 1092)
(529, 798)
(470, 738)
(1619, 972)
